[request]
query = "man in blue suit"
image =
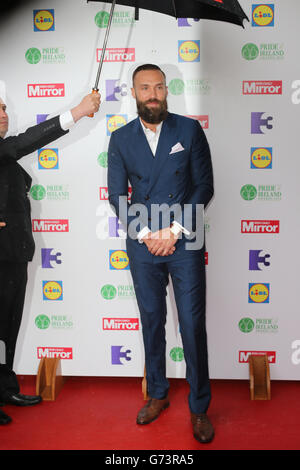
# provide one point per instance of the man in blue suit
(166, 159)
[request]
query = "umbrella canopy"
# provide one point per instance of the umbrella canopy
(220, 10)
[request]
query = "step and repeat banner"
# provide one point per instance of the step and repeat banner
(243, 86)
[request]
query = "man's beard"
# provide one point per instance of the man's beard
(152, 115)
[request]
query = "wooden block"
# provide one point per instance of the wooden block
(260, 386)
(49, 380)
(144, 386)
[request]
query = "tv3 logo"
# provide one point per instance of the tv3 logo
(115, 90)
(260, 122)
(257, 259)
(119, 356)
(48, 258)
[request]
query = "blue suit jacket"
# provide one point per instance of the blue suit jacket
(170, 179)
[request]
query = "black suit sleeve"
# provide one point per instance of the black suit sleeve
(33, 138)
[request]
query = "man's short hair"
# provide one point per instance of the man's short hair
(147, 67)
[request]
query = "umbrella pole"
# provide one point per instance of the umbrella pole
(104, 44)
(95, 88)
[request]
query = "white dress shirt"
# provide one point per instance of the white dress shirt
(152, 138)
(66, 120)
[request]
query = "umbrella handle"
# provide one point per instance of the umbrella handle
(94, 90)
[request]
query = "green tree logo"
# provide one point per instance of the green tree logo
(246, 325)
(42, 322)
(108, 292)
(176, 354)
(102, 159)
(250, 51)
(101, 19)
(176, 86)
(33, 55)
(38, 192)
(248, 192)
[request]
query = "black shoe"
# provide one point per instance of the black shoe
(4, 419)
(20, 400)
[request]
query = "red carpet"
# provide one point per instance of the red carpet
(93, 413)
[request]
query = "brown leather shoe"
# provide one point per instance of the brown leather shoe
(202, 427)
(152, 410)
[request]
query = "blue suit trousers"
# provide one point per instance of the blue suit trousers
(188, 278)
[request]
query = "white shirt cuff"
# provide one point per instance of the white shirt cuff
(142, 233)
(66, 120)
(177, 229)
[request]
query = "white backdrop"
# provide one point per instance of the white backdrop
(242, 84)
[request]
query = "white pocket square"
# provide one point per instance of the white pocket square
(176, 148)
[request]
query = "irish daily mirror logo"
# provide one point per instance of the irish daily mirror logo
(260, 226)
(262, 87)
(45, 90)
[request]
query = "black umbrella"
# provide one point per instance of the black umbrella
(221, 10)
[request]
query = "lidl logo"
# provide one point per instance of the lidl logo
(114, 122)
(261, 157)
(43, 20)
(48, 159)
(263, 15)
(118, 259)
(259, 293)
(189, 51)
(52, 290)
